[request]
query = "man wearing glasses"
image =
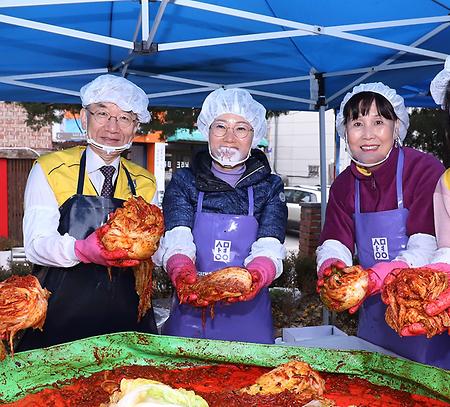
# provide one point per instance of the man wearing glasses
(69, 194)
(228, 209)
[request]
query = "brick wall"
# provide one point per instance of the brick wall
(19, 147)
(309, 229)
(15, 133)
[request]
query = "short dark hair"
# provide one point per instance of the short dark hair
(359, 105)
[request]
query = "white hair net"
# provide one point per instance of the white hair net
(118, 90)
(438, 85)
(390, 94)
(237, 101)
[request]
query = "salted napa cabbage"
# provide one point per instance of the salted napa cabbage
(149, 393)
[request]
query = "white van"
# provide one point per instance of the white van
(295, 195)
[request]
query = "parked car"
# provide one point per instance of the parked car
(295, 195)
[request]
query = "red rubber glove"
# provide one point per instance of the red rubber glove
(263, 273)
(91, 250)
(182, 272)
(433, 308)
(377, 274)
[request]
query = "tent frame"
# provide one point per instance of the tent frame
(146, 46)
(295, 29)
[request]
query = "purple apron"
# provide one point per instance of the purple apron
(380, 236)
(223, 240)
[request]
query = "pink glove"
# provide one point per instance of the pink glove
(377, 273)
(330, 265)
(326, 269)
(91, 250)
(384, 272)
(442, 302)
(381, 270)
(263, 273)
(435, 307)
(182, 272)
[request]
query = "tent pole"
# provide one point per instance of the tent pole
(55, 74)
(309, 29)
(41, 87)
(337, 152)
(387, 64)
(323, 164)
(323, 183)
(321, 105)
(126, 63)
(145, 17)
(82, 35)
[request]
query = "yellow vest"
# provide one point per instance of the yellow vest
(447, 178)
(61, 169)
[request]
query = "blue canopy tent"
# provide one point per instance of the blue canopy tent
(291, 55)
(283, 51)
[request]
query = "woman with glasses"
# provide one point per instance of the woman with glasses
(69, 194)
(228, 209)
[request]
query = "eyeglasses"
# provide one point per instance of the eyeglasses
(102, 117)
(240, 130)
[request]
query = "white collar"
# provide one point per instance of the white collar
(94, 161)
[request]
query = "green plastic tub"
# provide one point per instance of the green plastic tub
(31, 371)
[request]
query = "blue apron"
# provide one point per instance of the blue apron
(223, 240)
(380, 236)
(84, 301)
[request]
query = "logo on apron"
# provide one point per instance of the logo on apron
(380, 248)
(222, 250)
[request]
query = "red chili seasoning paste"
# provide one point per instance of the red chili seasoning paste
(219, 385)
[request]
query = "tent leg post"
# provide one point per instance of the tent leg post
(323, 185)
